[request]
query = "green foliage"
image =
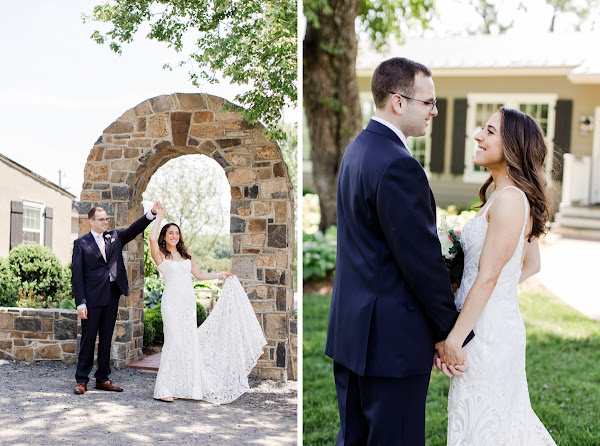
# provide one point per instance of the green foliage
(250, 42)
(67, 304)
(149, 265)
(319, 253)
(152, 319)
(153, 291)
(43, 280)
(9, 285)
(563, 349)
(200, 313)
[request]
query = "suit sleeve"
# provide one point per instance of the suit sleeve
(405, 213)
(136, 228)
(77, 275)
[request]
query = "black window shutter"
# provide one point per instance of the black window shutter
(48, 215)
(438, 138)
(16, 223)
(562, 135)
(459, 133)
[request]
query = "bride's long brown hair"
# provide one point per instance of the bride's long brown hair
(162, 244)
(525, 151)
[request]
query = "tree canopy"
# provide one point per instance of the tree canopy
(250, 42)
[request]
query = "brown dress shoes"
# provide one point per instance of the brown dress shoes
(107, 385)
(80, 388)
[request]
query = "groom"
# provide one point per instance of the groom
(392, 299)
(99, 278)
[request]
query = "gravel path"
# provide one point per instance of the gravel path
(38, 407)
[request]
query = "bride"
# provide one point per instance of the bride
(489, 404)
(210, 362)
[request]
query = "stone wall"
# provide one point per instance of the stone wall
(129, 152)
(38, 334)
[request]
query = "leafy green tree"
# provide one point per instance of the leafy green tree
(331, 95)
(582, 10)
(251, 42)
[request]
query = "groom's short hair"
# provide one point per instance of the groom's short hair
(92, 212)
(395, 75)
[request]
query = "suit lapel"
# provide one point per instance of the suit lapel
(380, 129)
(108, 244)
(92, 242)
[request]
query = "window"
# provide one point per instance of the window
(481, 106)
(33, 222)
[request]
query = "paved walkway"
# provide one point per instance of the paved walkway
(38, 407)
(571, 271)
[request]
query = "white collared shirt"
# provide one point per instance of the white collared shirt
(395, 129)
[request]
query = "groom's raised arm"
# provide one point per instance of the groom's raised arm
(405, 213)
(138, 226)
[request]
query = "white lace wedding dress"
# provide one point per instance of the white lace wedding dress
(489, 405)
(210, 362)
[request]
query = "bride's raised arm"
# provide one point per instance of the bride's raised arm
(157, 256)
(202, 275)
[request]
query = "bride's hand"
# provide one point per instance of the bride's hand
(224, 275)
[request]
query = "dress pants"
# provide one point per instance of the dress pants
(100, 321)
(377, 411)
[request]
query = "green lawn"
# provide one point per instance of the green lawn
(563, 371)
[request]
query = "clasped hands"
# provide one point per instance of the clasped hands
(450, 359)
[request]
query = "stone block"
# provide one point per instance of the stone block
(236, 193)
(118, 351)
(254, 240)
(262, 306)
(264, 174)
(236, 159)
(275, 276)
(281, 354)
(6, 345)
(131, 152)
(257, 225)
(69, 359)
(215, 103)
(96, 154)
(277, 236)
(243, 266)
(7, 321)
(281, 211)
(68, 314)
(47, 352)
(228, 142)
(278, 374)
(279, 170)
(280, 299)
(237, 225)
(251, 191)
(191, 101)
(138, 330)
(65, 329)
(119, 127)
(275, 325)
(294, 326)
(236, 242)
(69, 347)
(273, 189)
(265, 260)
(260, 273)
(282, 259)
(268, 152)
(140, 125)
(124, 165)
(36, 335)
(111, 154)
(207, 131)
(23, 354)
(123, 332)
(143, 109)
(241, 176)
(96, 172)
(162, 103)
(201, 117)
(28, 324)
(261, 208)
(120, 192)
(240, 207)
(157, 126)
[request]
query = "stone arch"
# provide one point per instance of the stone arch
(129, 152)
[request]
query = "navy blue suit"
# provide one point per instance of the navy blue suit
(392, 298)
(92, 286)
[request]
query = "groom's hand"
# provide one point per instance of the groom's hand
(82, 312)
(450, 353)
(156, 207)
(449, 370)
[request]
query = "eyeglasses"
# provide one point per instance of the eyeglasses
(101, 219)
(430, 104)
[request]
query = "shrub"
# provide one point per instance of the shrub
(153, 291)
(43, 280)
(319, 253)
(150, 320)
(9, 285)
(200, 313)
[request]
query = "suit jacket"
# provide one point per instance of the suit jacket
(391, 298)
(90, 272)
